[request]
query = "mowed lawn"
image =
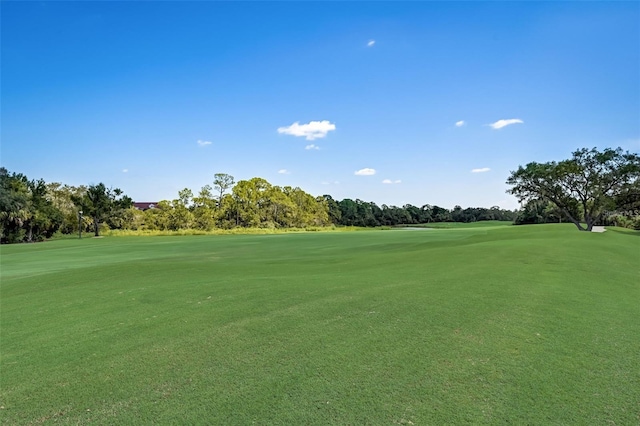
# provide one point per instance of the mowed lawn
(520, 324)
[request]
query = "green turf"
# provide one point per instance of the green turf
(461, 225)
(499, 325)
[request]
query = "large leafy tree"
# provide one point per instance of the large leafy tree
(582, 187)
(281, 209)
(14, 205)
(205, 209)
(180, 215)
(61, 197)
(335, 215)
(101, 204)
(252, 198)
(348, 212)
(44, 218)
(26, 214)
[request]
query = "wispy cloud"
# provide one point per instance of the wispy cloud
(460, 123)
(312, 130)
(365, 172)
(503, 123)
(312, 146)
(370, 43)
(284, 172)
(203, 143)
(482, 170)
(125, 170)
(389, 181)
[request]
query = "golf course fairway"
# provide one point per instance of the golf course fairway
(481, 325)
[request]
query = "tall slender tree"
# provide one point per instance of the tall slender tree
(222, 182)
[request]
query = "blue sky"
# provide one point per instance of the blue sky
(153, 97)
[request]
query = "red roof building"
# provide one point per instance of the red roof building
(145, 206)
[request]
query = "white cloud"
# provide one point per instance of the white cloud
(371, 43)
(125, 170)
(312, 146)
(503, 123)
(312, 130)
(365, 172)
(389, 181)
(460, 123)
(482, 170)
(284, 172)
(397, 181)
(203, 143)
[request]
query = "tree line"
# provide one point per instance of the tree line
(33, 210)
(593, 187)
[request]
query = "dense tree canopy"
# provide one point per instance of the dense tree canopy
(26, 214)
(102, 204)
(594, 187)
(584, 187)
(33, 210)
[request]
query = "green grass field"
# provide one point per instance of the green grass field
(461, 225)
(496, 325)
